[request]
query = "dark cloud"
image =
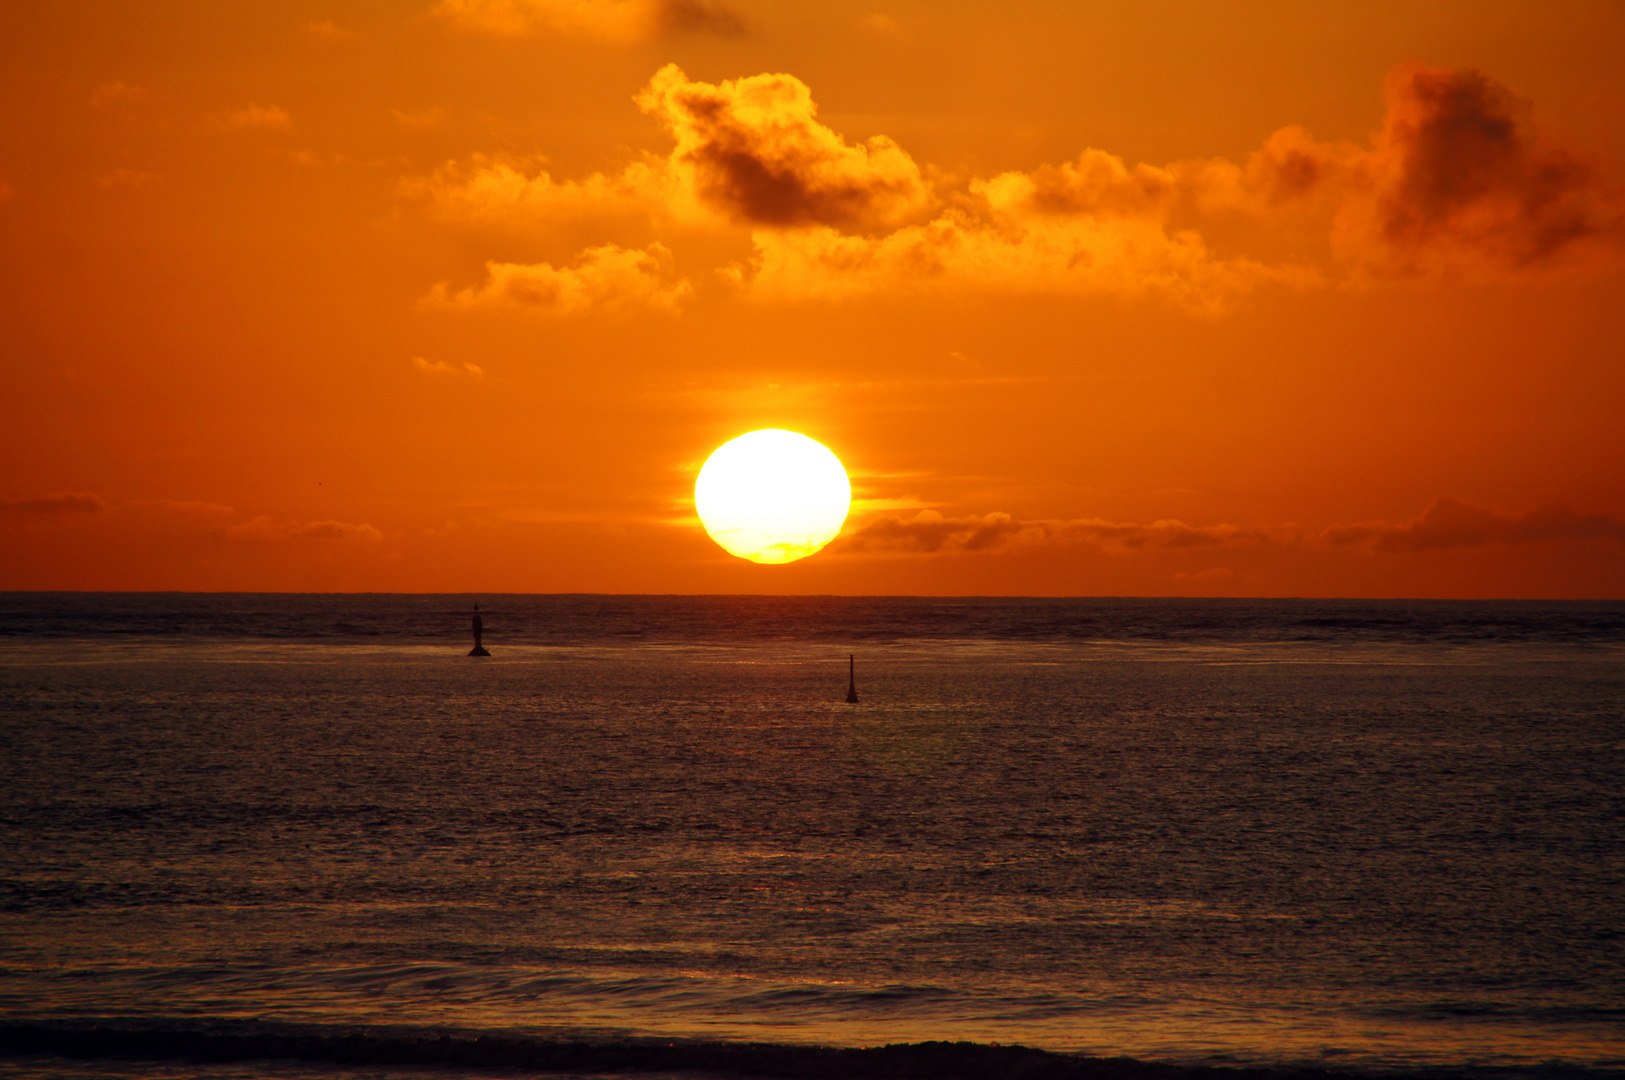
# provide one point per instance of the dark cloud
(1101, 185)
(623, 21)
(759, 154)
(928, 532)
(677, 17)
(64, 503)
(265, 530)
(1452, 523)
(1467, 170)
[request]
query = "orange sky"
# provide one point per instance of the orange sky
(1154, 299)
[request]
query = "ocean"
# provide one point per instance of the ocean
(1363, 836)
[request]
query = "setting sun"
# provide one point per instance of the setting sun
(772, 496)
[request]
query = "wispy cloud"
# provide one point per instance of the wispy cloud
(326, 32)
(1447, 523)
(1451, 523)
(882, 25)
(255, 116)
(490, 190)
(442, 369)
(70, 502)
(620, 21)
(607, 278)
(264, 529)
(119, 93)
(187, 507)
(928, 531)
(423, 119)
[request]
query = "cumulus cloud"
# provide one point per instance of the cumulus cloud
(607, 278)
(263, 529)
(832, 219)
(621, 21)
(962, 253)
(1457, 173)
(1450, 523)
(929, 532)
(489, 190)
(747, 150)
(71, 502)
(262, 117)
(756, 151)
(1455, 179)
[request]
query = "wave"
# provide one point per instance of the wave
(222, 1041)
(633, 620)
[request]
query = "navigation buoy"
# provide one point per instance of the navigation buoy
(479, 632)
(851, 680)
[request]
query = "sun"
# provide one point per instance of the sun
(772, 496)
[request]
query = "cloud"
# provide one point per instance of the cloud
(327, 32)
(754, 149)
(675, 17)
(961, 253)
(127, 178)
(427, 118)
(180, 506)
(1455, 181)
(930, 532)
(1451, 523)
(442, 368)
(1212, 573)
(607, 278)
(118, 93)
(747, 150)
(1459, 175)
(1448, 523)
(619, 21)
(491, 191)
(262, 117)
(264, 530)
(833, 219)
(74, 502)
(881, 25)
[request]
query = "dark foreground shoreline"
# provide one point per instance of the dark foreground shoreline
(218, 1042)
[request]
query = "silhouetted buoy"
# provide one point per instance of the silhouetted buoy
(479, 631)
(851, 680)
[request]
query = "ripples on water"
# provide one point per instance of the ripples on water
(1384, 834)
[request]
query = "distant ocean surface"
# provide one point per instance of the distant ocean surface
(1383, 835)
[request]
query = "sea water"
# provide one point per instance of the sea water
(1366, 834)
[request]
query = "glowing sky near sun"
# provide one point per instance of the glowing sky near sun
(459, 295)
